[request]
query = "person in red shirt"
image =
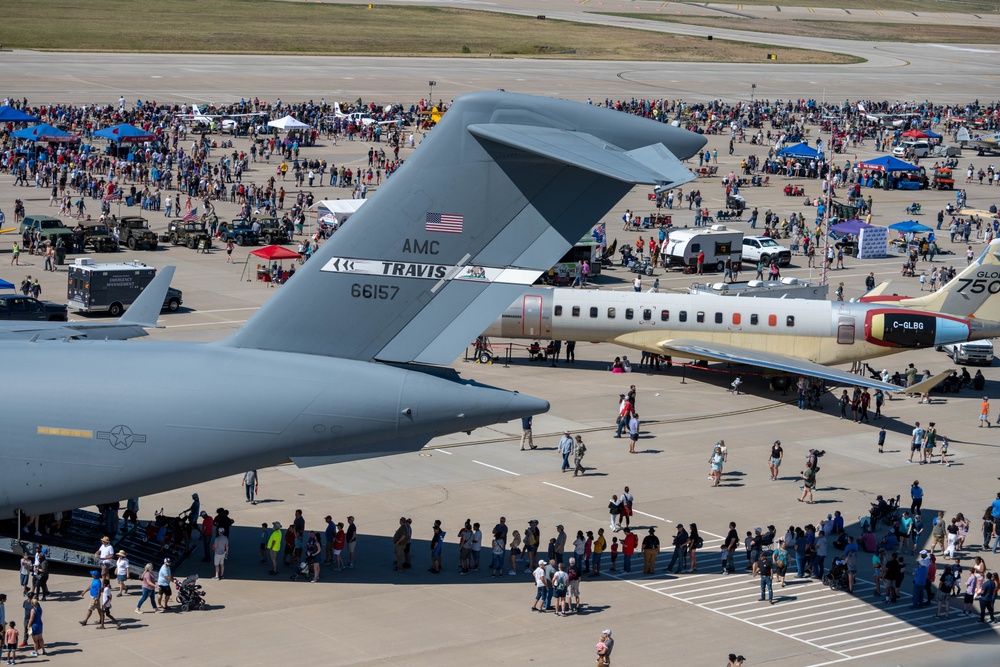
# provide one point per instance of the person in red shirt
(338, 545)
(629, 545)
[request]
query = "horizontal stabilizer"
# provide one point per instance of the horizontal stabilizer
(650, 165)
(739, 355)
(925, 386)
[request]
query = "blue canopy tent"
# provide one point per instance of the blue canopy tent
(45, 133)
(850, 227)
(6, 285)
(802, 150)
(12, 115)
(887, 164)
(125, 134)
(908, 226)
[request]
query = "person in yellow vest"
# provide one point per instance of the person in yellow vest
(274, 543)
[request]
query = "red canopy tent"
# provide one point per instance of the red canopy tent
(274, 252)
(269, 253)
(915, 134)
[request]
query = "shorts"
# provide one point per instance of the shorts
(122, 577)
(775, 462)
(539, 593)
(515, 551)
(12, 647)
(780, 570)
(984, 418)
(559, 594)
(95, 604)
(165, 591)
(220, 559)
(336, 552)
(465, 554)
(942, 596)
(24, 580)
(967, 598)
(914, 446)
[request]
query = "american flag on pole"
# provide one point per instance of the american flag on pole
(448, 223)
(191, 215)
(113, 196)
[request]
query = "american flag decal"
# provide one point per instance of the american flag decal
(449, 223)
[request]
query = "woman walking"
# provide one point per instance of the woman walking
(808, 483)
(774, 460)
(579, 450)
(148, 588)
(694, 543)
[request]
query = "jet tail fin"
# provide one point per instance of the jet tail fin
(145, 310)
(503, 186)
(975, 292)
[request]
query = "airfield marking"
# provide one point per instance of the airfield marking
(515, 474)
(579, 493)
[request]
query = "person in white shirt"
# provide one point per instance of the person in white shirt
(106, 555)
(121, 573)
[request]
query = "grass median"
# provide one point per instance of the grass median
(275, 27)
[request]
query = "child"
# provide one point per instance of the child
(106, 596)
(944, 451)
(614, 553)
(881, 439)
(10, 639)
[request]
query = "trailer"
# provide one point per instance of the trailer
(717, 242)
(111, 288)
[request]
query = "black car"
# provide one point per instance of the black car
(17, 307)
(239, 230)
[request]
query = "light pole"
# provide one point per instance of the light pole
(753, 87)
(430, 94)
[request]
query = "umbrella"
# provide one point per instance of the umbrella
(915, 134)
(12, 115)
(125, 134)
(908, 226)
(288, 123)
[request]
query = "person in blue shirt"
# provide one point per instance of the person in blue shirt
(95, 597)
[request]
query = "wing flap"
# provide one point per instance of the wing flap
(738, 355)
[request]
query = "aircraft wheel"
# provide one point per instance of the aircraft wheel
(485, 357)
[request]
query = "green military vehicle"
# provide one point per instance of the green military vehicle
(50, 229)
(193, 234)
(134, 232)
(97, 235)
(272, 230)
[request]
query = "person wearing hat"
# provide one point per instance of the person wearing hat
(920, 580)
(650, 549)
(195, 510)
(274, 546)
(539, 575)
(532, 538)
(164, 578)
(565, 448)
(105, 554)
(604, 647)
(94, 590)
(774, 459)
(121, 573)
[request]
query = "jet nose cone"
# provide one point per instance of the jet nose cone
(522, 405)
(682, 143)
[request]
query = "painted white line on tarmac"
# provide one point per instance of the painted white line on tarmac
(658, 518)
(563, 488)
(203, 324)
(515, 474)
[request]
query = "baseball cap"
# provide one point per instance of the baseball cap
(607, 632)
(328, 518)
(166, 561)
(923, 552)
(95, 573)
(203, 513)
(541, 562)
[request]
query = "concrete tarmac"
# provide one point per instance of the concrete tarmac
(370, 615)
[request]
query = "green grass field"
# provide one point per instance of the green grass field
(864, 31)
(271, 27)
(956, 6)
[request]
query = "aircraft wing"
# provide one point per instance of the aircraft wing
(738, 355)
(926, 386)
(652, 165)
(145, 310)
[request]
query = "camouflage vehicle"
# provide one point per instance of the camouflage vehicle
(97, 235)
(134, 231)
(192, 234)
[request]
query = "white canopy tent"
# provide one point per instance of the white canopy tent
(340, 210)
(288, 123)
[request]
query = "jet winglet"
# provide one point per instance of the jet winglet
(145, 310)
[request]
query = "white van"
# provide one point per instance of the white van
(921, 148)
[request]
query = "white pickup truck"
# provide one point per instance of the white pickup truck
(757, 248)
(972, 352)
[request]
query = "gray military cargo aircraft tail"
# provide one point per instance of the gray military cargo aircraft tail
(338, 365)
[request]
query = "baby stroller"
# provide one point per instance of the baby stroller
(190, 595)
(836, 578)
(302, 570)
